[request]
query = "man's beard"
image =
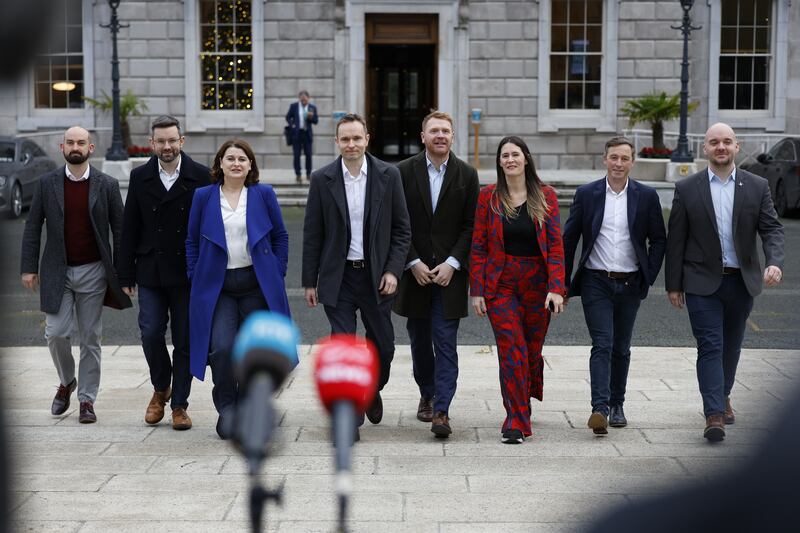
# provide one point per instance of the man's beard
(76, 158)
(167, 158)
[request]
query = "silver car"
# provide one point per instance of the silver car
(22, 163)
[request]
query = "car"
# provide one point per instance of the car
(22, 163)
(781, 167)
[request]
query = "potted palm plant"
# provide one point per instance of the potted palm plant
(130, 105)
(654, 109)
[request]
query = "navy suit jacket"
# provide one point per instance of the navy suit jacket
(645, 223)
(207, 260)
(293, 119)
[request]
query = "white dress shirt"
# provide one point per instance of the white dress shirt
(235, 223)
(169, 179)
(436, 180)
(302, 110)
(613, 250)
(355, 187)
(722, 198)
(71, 177)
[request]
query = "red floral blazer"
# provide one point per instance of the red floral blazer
(487, 256)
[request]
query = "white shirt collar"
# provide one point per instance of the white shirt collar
(612, 191)
(430, 163)
(362, 172)
(85, 175)
(177, 169)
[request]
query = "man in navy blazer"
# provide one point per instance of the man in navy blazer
(624, 240)
(300, 118)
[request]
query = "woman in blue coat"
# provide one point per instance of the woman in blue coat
(237, 249)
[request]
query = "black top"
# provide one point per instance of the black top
(519, 235)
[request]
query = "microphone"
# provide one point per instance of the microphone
(346, 374)
(264, 353)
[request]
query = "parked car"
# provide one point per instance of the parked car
(22, 162)
(781, 167)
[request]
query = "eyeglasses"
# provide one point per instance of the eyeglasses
(171, 142)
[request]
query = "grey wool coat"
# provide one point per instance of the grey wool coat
(47, 208)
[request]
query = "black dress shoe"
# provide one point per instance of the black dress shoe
(61, 400)
(224, 426)
(87, 415)
(617, 417)
(375, 409)
(512, 436)
(425, 410)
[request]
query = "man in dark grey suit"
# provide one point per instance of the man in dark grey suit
(441, 193)
(713, 267)
(355, 240)
(79, 205)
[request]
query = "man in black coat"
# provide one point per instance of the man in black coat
(154, 258)
(441, 192)
(713, 267)
(355, 240)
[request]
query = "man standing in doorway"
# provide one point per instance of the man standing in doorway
(441, 192)
(82, 210)
(300, 117)
(622, 228)
(153, 256)
(355, 240)
(713, 266)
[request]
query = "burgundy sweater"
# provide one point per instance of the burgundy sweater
(79, 239)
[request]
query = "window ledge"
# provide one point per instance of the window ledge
(557, 120)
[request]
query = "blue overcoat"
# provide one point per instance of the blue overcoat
(207, 259)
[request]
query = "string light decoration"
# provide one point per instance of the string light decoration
(226, 60)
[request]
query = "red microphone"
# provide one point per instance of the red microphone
(346, 374)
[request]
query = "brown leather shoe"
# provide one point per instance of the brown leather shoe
(715, 428)
(155, 409)
(598, 422)
(425, 410)
(440, 425)
(61, 400)
(730, 418)
(180, 419)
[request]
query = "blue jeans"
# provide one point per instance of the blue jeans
(240, 296)
(718, 323)
(433, 353)
(157, 307)
(610, 307)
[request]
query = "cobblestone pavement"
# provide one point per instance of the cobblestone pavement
(122, 475)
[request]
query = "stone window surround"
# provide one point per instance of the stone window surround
(452, 66)
(200, 120)
(29, 118)
(773, 118)
(600, 120)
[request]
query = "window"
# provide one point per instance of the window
(577, 76)
(783, 151)
(576, 54)
(748, 62)
(745, 54)
(226, 54)
(58, 74)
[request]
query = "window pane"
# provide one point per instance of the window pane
(226, 39)
(726, 91)
(74, 12)
(244, 96)
(762, 40)
(594, 34)
(594, 12)
(727, 42)
(559, 14)
(42, 91)
(208, 38)
(227, 96)
(209, 96)
(747, 11)
(744, 69)
(75, 96)
(761, 69)
(593, 71)
(576, 38)
(574, 96)
(75, 39)
(763, 12)
(727, 69)
(225, 12)
(208, 12)
(558, 68)
(244, 68)
(558, 39)
(244, 39)
(760, 96)
(744, 95)
(558, 95)
(243, 12)
(592, 93)
(729, 13)
(746, 41)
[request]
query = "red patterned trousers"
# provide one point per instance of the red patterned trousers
(519, 320)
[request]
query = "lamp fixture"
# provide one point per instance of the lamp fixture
(64, 86)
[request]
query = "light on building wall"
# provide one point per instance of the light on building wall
(64, 86)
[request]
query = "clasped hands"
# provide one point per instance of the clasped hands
(440, 274)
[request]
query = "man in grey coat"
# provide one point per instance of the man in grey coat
(79, 205)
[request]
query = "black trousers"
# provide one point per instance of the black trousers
(357, 294)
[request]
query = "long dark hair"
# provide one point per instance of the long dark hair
(216, 168)
(501, 202)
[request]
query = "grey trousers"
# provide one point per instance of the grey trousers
(82, 303)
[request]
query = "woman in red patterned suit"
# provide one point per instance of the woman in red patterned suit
(517, 276)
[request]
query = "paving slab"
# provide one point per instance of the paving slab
(122, 475)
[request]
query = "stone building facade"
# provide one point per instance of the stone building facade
(556, 72)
